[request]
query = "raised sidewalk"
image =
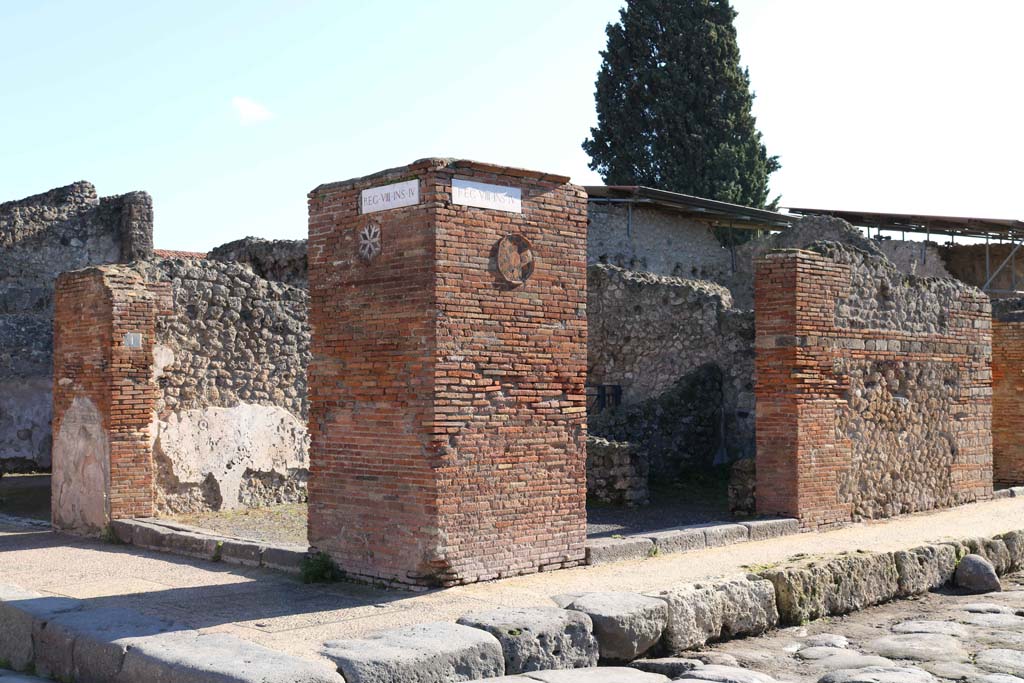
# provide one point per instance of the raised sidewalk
(278, 612)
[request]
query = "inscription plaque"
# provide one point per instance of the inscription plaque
(497, 197)
(393, 196)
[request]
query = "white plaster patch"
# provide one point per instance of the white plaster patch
(81, 470)
(226, 442)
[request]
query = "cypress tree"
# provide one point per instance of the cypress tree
(674, 105)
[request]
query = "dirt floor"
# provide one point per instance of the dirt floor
(25, 495)
(669, 507)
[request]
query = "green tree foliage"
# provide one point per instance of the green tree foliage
(674, 105)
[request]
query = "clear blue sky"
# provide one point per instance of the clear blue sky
(228, 113)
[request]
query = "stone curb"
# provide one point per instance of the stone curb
(686, 538)
(181, 539)
(633, 626)
(1012, 492)
(67, 639)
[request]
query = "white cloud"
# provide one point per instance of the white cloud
(250, 111)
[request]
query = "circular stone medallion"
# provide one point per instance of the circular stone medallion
(369, 242)
(515, 260)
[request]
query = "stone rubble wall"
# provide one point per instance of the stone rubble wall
(41, 236)
(1008, 391)
(617, 472)
(278, 260)
(230, 360)
(684, 360)
(873, 388)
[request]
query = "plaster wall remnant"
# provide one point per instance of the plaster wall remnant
(81, 469)
(41, 236)
(874, 389)
(447, 412)
(1008, 391)
(653, 240)
(231, 351)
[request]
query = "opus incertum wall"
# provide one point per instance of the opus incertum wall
(874, 388)
(447, 405)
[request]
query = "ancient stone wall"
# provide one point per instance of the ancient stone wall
(447, 383)
(279, 260)
(40, 237)
(654, 240)
(966, 262)
(210, 411)
(683, 360)
(103, 398)
(618, 472)
(1008, 392)
(873, 388)
(230, 359)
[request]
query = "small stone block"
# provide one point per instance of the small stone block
(284, 558)
(150, 536)
(123, 530)
(678, 540)
(245, 553)
(725, 534)
(193, 545)
(603, 550)
(762, 529)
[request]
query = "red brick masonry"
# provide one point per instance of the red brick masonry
(1008, 402)
(873, 389)
(94, 310)
(447, 416)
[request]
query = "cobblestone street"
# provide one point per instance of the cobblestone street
(935, 637)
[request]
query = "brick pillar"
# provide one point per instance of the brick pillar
(103, 398)
(447, 407)
(1008, 402)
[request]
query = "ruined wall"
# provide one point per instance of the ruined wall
(279, 260)
(230, 360)
(684, 361)
(654, 240)
(966, 262)
(40, 237)
(873, 388)
(1008, 392)
(905, 256)
(618, 472)
(103, 396)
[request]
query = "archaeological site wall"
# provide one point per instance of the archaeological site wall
(210, 411)
(1008, 392)
(681, 360)
(40, 237)
(448, 300)
(654, 240)
(874, 393)
(278, 260)
(230, 357)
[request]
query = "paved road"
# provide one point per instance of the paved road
(280, 613)
(977, 639)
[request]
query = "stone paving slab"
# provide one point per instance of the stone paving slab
(276, 611)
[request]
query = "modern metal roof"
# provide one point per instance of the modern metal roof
(709, 210)
(998, 228)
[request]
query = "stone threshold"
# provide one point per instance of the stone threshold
(685, 538)
(1011, 492)
(165, 536)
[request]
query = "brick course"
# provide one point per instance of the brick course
(873, 388)
(447, 407)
